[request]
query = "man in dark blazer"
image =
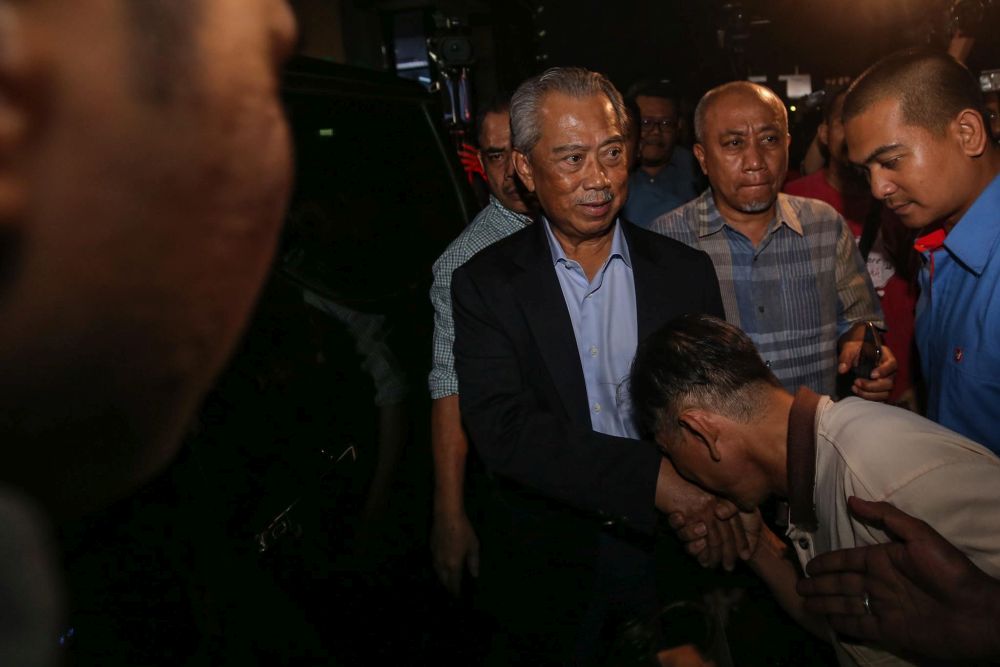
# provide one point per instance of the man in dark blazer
(546, 325)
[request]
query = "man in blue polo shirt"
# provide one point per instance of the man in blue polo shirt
(915, 123)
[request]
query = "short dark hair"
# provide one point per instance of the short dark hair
(830, 97)
(696, 361)
(661, 88)
(499, 103)
(931, 87)
(163, 36)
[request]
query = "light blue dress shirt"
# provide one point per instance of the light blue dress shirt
(605, 324)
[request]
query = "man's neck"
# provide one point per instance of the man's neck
(770, 440)
(653, 169)
(590, 252)
(982, 179)
(752, 225)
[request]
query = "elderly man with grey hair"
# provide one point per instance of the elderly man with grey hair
(790, 272)
(546, 325)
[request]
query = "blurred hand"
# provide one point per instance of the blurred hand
(468, 156)
(925, 595)
(454, 547)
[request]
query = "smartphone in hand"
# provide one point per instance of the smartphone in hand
(871, 352)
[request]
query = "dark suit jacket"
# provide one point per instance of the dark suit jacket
(523, 398)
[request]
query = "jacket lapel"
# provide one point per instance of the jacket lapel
(651, 285)
(538, 291)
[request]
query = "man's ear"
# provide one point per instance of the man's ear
(972, 133)
(699, 153)
(523, 168)
(704, 427)
(18, 94)
(823, 134)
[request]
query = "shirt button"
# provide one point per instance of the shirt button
(593, 350)
(760, 309)
(589, 297)
(803, 543)
(597, 407)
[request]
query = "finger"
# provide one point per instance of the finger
(696, 547)
(835, 605)
(725, 509)
(842, 560)
(742, 544)
(835, 584)
(676, 520)
(726, 533)
(887, 367)
(695, 531)
(848, 357)
(895, 521)
(873, 390)
(714, 550)
(864, 626)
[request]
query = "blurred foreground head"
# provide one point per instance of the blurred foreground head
(144, 170)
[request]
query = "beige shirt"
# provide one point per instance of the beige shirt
(879, 452)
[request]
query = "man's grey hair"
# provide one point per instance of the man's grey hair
(572, 81)
(765, 94)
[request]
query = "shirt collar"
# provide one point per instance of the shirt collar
(801, 461)
(974, 238)
(619, 248)
(525, 220)
(710, 221)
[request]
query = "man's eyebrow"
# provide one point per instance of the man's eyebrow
(494, 149)
(572, 148)
(569, 148)
(877, 153)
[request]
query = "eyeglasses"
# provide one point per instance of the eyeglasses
(662, 124)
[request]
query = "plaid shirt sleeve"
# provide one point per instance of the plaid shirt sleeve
(492, 224)
(856, 297)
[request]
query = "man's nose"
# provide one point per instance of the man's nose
(508, 168)
(882, 186)
(753, 157)
(596, 176)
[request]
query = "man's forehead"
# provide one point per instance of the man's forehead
(653, 102)
(745, 102)
(495, 132)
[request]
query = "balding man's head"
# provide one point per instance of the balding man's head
(742, 147)
(735, 89)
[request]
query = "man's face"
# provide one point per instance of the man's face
(921, 175)
(658, 130)
(149, 223)
(495, 156)
(744, 152)
(579, 168)
(731, 476)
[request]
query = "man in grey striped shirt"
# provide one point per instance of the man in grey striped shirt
(454, 545)
(790, 273)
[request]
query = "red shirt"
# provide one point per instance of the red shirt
(898, 296)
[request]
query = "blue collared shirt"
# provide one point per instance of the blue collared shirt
(605, 324)
(649, 197)
(958, 324)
